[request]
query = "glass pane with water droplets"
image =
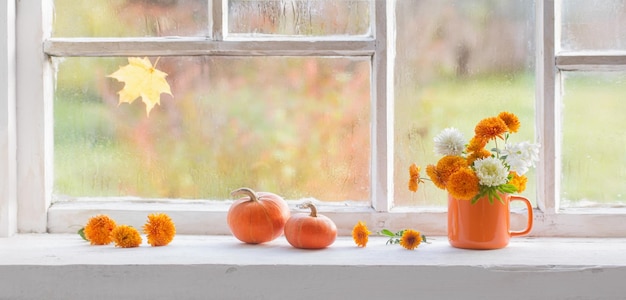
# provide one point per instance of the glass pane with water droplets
(457, 63)
(593, 25)
(299, 18)
(298, 127)
(594, 139)
(130, 18)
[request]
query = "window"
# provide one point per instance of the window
(270, 94)
(379, 65)
(596, 151)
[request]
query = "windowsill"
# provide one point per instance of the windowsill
(554, 268)
(527, 253)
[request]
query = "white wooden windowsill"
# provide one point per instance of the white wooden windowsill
(62, 266)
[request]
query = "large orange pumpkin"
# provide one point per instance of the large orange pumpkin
(310, 231)
(257, 218)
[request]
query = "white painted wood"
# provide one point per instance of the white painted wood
(34, 115)
(209, 217)
(540, 254)
(591, 61)
(8, 173)
(213, 267)
(546, 108)
(200, 46)
(382, 112)
(218, 19)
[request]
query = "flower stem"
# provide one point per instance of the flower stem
(156, 62)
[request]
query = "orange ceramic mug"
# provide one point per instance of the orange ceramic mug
(483, 225)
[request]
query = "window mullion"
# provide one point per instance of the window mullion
(591, 61)
(217, 19)
(8, 201)
(382, 97)
(34, 116)
(200, 46)
(546, 108)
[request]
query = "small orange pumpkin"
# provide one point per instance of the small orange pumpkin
(310, 231)
(258, 218)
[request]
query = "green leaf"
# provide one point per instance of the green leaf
(507, 188)
(490, 196)
(387, 232)
(392, 241)
(475, 199)
(81, 232)
(499, 198)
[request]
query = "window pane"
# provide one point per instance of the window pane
(130, 18)
(298, 127)
(594, 139)
(593, 25)
(299, 17)
(457, 63)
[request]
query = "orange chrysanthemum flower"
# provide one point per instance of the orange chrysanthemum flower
(435, 177)
(160, 229)
(448, 165)
(98, 230)
(126, 236)
(360, 234)
(414, 173)
(519, 182)
(464, 184)
(511, 121)
(490, 128)
(482, 153)
(476, 144)
(410, 239)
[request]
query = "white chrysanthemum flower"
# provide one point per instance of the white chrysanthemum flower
(449, 142)
(491, 171)
(521, 156)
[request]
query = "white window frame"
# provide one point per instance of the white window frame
(8, 71)
(26, 131)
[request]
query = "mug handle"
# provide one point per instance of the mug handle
(529, 224)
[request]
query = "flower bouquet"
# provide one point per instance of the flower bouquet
(471, 171)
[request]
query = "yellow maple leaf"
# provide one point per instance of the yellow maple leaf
(143, 80)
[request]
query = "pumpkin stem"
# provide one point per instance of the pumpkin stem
(247, 191)
(311, 206)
